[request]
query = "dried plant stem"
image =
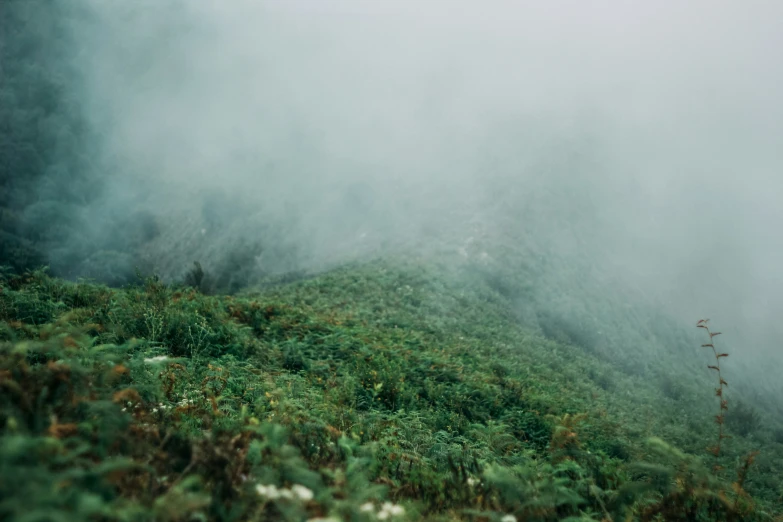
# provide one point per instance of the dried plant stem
(721, 416)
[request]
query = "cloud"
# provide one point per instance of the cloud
(643, 137)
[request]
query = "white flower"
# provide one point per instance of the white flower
(390, 510)
(472, 481)
(271, 492)
(367, 507)
(508, 518)
(156, 359)
(304, 493)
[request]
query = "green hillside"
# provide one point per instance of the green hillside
(388, 390)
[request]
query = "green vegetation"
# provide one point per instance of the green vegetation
(55, 188)
(387, 390)
(520, 383)
(45, 180)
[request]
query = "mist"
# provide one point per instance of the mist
(627, 142)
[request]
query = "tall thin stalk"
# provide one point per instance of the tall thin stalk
(724, 405)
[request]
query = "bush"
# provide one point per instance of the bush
(743, 419)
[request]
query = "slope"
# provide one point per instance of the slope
(402, 389)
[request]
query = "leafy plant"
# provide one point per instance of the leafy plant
(309, 399)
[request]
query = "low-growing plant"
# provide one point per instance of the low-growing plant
(308, 400)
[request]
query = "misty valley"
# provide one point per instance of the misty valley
(348, 260)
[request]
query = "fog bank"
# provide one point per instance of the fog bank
(631, 139)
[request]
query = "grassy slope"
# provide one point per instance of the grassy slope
(370, 383)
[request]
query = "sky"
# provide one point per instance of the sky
(642, 138)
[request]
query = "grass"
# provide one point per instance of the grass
(384, 390)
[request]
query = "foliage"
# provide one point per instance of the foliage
(743, 419)
(368, 392)
(51, 182)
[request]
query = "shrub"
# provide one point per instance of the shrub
(743, 419)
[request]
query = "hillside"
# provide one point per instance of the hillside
(401, 390)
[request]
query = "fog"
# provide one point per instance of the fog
(639, 140)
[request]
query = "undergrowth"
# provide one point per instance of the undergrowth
(372, 392)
